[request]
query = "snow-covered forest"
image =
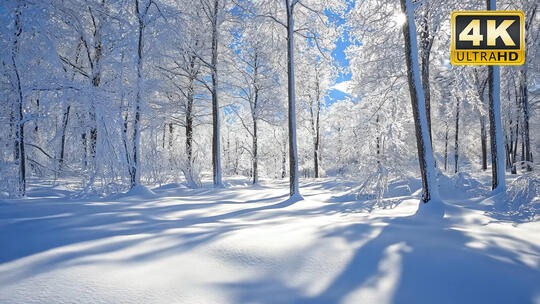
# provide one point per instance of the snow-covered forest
(264, 151)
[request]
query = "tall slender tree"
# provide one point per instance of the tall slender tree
(495, 126)
(523, 88)
(20, 155)
(425, 154)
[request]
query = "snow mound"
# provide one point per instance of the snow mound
(433, 210)
(523, 197)
(461, 184)
(169, 186)
(140, 191)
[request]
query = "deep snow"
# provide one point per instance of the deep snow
(250, 244)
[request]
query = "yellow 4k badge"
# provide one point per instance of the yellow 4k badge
(487, 37)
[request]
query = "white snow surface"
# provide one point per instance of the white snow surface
(250, 244)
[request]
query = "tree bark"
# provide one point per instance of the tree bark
(95, 66)
(525, 96)
(315, 123)
(426, 43)
(293, 156)
(514, 149)
(317, 139)
(84, 143)
(171, 133)
(378, 141)
(425, 154)
(255, 156)
(483, 141)
(216, 149)
(19, 136)
(525, 108)
(284, 159)
(495, 129)
(65, 120)
(481, 87)
(456, 142)
(125, 142)
(189, 134)
(136, 166)
(446, 147)
(254, 116)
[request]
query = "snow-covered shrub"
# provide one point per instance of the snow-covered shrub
(523, 196)
(374, 185)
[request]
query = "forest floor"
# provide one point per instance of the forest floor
(250, 244)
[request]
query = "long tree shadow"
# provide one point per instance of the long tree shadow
(45, 224)
(411, 261)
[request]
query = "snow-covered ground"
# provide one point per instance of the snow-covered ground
(250, 244)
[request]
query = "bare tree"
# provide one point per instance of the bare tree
(315, 118)
(20, 155)
(481, 87)
(456, 138)
(141, 10)
(523, 89)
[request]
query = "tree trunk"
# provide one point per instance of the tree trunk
(13, 127)
(163, 136)
(495, 129)
(93, 135)
(425, 154)
(514, 146)
(254, 116)
(317, 139)
(189, 134)
(456, 142)
(513, 126)
(125, 142)
(481, 87)
(236, 158)
(426, 43)
(522, 147)
(293, 156)
(378, 141)
(315, 125)
(189, 120)
(525, 96)
(216, 149)
(19, 136)
(483, 140)
(84, 142)
(65, 120)
(525, 106)
(36, 125)
(254, 152)
(446, 147)
(171, 133)
(136, 166)
(284, 160)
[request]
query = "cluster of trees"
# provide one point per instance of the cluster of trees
(443, 97)
(116, 91)
(113, 94)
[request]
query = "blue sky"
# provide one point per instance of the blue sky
(339, 56)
